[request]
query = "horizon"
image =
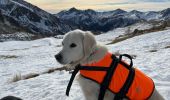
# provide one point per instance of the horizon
(55, 6)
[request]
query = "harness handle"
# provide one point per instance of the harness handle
(128, 56)
(125, 88)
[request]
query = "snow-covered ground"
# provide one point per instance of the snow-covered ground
(152, 56)
(109, 36)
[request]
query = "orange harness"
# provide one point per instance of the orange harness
(117, 76)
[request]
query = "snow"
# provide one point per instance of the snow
(155, 64)
(109, 36)
(140, 26)
(26, 57)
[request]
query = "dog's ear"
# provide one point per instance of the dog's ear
(89, 43)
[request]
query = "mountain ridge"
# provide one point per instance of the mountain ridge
(32, 18)
(109, 20)
(19, 15)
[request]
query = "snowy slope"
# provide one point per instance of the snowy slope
(38, 55)
(155, 64)
(108, 37)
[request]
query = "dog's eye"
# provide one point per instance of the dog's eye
(73, 45)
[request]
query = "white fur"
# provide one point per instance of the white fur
(83, 54)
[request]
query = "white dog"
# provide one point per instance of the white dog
(80, 47)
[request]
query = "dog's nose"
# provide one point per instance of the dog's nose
(58, 57)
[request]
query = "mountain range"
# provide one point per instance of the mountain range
(109, 20)
(19, 15)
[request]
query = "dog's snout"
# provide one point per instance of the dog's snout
(58, 57)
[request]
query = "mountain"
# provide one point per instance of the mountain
(166, 13)
(21, 16)
(105, 21)
(27, 17)
(95, 21)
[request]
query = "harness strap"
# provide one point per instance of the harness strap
(107, 79)
(94, 68)
(76, 70)
(124, 90)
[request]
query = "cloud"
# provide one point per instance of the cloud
(55, 6)
(125, 2)
(149, 0)
(112, 3)
(156, 0)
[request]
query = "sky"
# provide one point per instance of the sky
(54, 6)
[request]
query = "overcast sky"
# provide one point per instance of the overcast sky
(55, 6)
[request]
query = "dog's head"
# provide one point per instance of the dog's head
(77, 45)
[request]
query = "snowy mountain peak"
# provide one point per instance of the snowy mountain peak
(32, 19)
(90, 11)
(77, 11)
(73, 9)
(118, 11)
(166, 12)
(108, 20)
(135, 11)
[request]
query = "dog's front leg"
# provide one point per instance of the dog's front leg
(89, 88)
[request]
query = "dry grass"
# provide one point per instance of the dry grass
(153, 50)
(137, 32)
(167, 47)
(19, 49)
(54, 69)
(18, 77)
(8, 56)
(31, 75)
(122, 38)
